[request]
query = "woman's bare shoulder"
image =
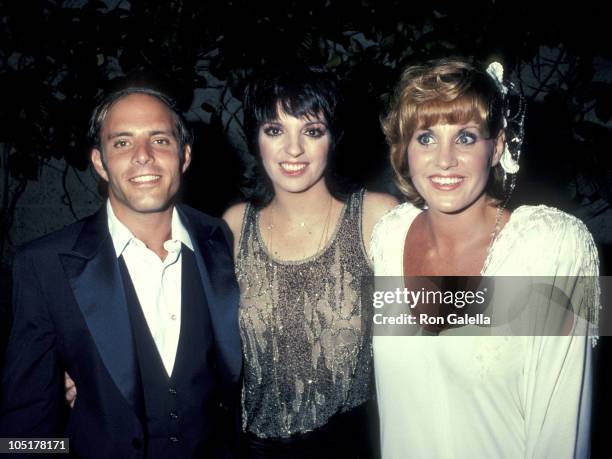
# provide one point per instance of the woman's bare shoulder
(376, 204)
(233, 216)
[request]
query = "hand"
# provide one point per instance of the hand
(70, 390)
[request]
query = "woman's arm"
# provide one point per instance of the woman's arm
(375, 205)
(234, 217)
(558, 396)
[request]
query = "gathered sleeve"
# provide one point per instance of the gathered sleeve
(558, 383)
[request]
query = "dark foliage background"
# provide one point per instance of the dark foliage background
(57, 56)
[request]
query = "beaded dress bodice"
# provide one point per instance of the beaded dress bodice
(307, 354)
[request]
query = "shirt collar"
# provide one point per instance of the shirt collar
(122, 236)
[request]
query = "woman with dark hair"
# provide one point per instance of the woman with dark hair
(301, 252)
(455, 159)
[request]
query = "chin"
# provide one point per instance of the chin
(451, 207)
(297, 189)
(298, 186)
(149, 207)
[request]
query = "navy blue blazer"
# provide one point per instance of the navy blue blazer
(70, 314)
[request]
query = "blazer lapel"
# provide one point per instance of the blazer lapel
(216, 269)
(94, 276)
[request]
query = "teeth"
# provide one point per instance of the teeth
(446, 180)
(145, 178)
(292, 167)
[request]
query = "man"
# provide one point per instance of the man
(138, 303)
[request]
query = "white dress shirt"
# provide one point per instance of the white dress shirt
(157, 283)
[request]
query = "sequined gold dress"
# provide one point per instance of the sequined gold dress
(307, 354)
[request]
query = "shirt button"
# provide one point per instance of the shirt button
(173, 316)
(172, 391)
(173, 416)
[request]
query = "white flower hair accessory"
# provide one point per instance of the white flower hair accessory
(496, 71)
(508, 162)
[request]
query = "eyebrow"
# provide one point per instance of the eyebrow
(309, 123)
(114, 135)
(467, 126)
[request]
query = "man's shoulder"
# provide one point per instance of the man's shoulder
(61, 240)
(198, 217)
(204, 226)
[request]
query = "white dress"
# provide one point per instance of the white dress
(496, 396)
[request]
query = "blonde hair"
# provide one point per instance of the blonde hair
(449, 91)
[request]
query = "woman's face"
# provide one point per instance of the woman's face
(449, 164)
(294, 152)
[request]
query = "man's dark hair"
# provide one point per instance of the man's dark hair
(181, 131)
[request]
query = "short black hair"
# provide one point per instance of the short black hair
(181, 131)
(300, 91)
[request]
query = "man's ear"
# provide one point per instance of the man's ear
(498, 149)
(98, 163)
(186, 158)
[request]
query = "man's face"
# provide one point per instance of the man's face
(140, 157)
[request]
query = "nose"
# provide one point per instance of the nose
(143, 153)
(446, 157)
(294, 145)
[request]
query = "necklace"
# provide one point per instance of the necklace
(326, 227)
(277, 318)
(496, 228)
(494, 234)
(302, 224)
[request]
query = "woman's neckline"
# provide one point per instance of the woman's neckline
(310, 258)
(490, 250)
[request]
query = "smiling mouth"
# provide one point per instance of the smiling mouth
(446, 183)
(440, 180)
(292, 168)
(145, 178)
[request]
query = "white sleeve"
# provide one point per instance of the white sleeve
(558, 397)
(379, 241)
(387, 241)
